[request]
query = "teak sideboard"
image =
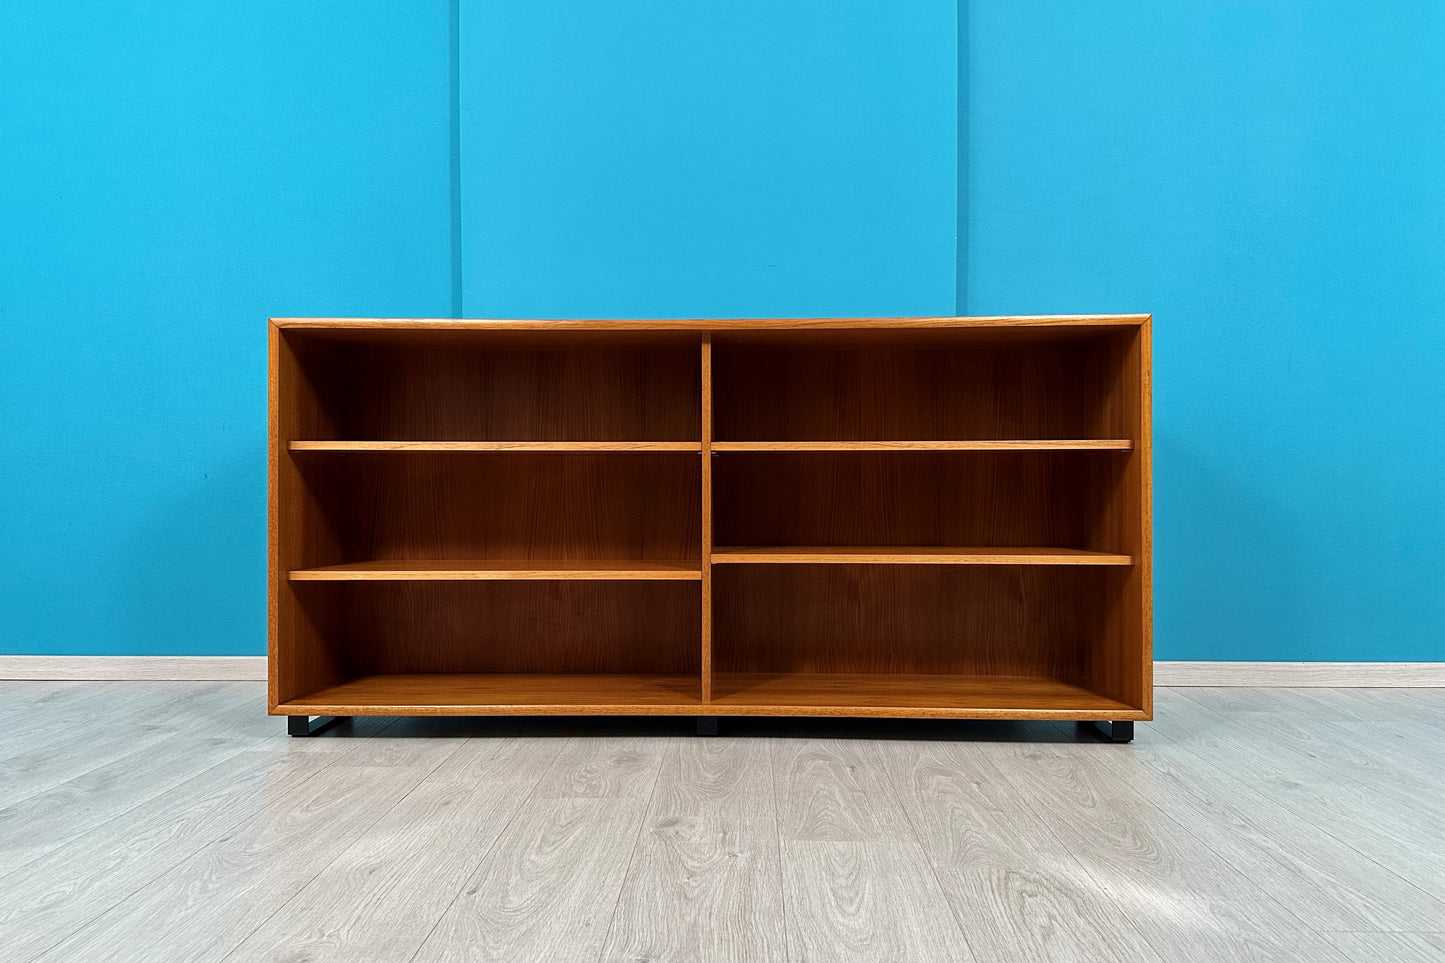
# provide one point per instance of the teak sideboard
(914, 517)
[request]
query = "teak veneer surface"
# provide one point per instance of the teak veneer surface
(1076, 444)
(912, 555)
(818, 516)
(923, 696)
(500, 569)
(494, 446)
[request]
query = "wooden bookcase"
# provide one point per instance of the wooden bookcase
(917, 517)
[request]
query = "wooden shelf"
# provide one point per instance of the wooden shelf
(525, 446)
(942, 696)
(499, 569)
(912, 555)
(737, 694)
(1083, 444)
(503, 694)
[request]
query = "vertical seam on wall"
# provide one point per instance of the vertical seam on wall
(960, 270)
(454, 102)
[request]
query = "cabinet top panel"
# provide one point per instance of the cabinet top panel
(1070, 321)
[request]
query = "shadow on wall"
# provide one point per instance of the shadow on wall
(196, 577)
(1233, 611)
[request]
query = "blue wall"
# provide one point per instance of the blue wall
(1269, 180)
(1265, 178)
(172, 174)
(750, 158)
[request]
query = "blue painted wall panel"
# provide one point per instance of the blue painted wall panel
(1267, 179)
(172, 174)
(657, 158)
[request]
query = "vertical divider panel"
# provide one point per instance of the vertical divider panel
(707, 518)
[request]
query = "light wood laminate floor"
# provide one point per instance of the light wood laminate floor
(176, 821)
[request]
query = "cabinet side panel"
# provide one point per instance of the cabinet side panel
(301, 534)
(1123, 666)
(707, 536)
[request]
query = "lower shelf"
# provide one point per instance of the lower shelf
(504, 693)
(911, 696)
(734, 694)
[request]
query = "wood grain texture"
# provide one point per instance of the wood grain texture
(412, 390)
(300, 529)
(820, 391)
(912, 555)
(705, 881)
(455, 693)
(549, 886)
(502, 446)
(855, 884)
(228, 841)
(1125, 842)
(707, 532)
(617, 626)
(378, 902)
(1330, 885)
(572, 507)
(928, 498)
(262, 866)
(49, 899)
(1016, 889)
(613, 767)
(502, 325)
(1235, 931)
(908, 619)
(881, 695)
(498, 569)
(1082, 444)
(479, 502)
(1407, 839)
(1123, 665)
(1389, 947)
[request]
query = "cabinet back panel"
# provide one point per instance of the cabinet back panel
(512, 505)
(839, 392)
(925, 619)
(913, 498)
(460, 392)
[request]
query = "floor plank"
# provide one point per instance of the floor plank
(856, 883)
(705, 882)
(1390, 947)
(1010, 880)
(221, 894)
(177, 821)
(548, 887)
(381, 897)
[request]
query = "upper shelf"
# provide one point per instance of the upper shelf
(573, 446)
(914, 555)
(492, 569)
(1082, 444)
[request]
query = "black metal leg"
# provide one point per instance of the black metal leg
(1112, 731)
(707, 725)
(310, 726)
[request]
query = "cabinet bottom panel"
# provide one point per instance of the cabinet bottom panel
(734, 694)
